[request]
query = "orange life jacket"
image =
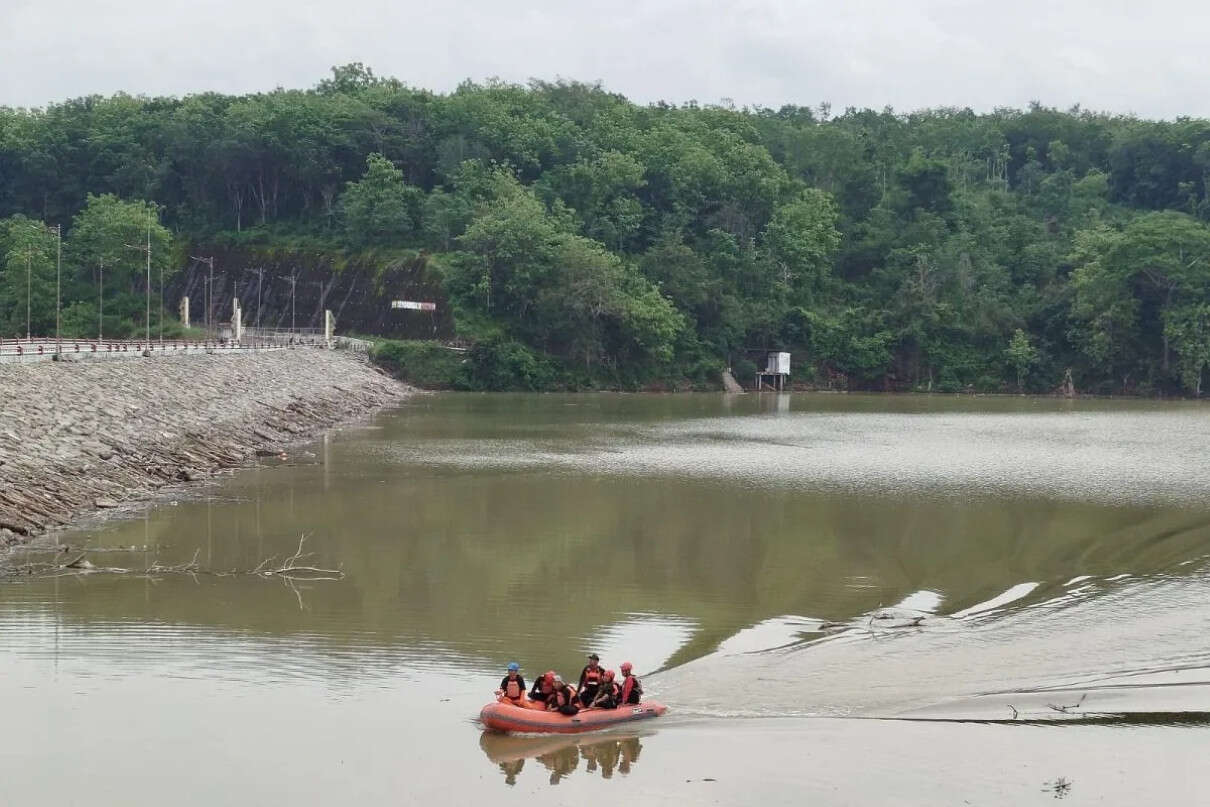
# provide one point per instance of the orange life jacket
(632, 690)
(512, 689)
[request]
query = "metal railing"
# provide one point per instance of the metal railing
(282, 333)
(44, 349)
(352, 344)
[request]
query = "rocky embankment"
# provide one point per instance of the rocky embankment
(76, 437)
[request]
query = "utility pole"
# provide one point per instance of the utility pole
(147, 249)
(58, 284)
(260, 279)
(293, 278)
(209, 285)
(149, 278)
(323, 295)
(29, 272)
(29, 280)
(161, 304)
(101, 301)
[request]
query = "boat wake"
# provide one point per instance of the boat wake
(1114, 650)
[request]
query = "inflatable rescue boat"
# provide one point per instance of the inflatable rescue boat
(508, 717)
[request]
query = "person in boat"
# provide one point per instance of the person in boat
(512, 686)
(609, 692)
(590, 680)
(563, 699)
(632, 687)
(544, 687)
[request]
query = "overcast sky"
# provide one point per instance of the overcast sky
(1150, 58)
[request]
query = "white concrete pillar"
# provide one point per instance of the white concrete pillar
(329, 326)
(184, 310)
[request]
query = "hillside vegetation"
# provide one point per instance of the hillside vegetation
(585, 241)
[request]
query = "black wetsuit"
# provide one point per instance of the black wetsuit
(565, 700)
(536, 694)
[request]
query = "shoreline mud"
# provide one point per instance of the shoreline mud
(78, 439)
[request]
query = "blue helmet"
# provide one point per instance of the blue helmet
(513, 666)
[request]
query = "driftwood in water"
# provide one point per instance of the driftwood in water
(291, 568)
(1067, 709)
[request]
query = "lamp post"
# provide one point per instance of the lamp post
(29, 279)
(323, 295)
(101, 301)
(209, 285)
(293, 278)
(260, 279)
(147, 287)
(29, 272)
(58, 285)
(161, 317)
(148, 337)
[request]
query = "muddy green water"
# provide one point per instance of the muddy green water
(843, 600)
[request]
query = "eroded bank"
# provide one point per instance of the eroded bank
(76, 438)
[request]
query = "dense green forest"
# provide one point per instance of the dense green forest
(582, 240)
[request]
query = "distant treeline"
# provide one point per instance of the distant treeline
(584, 240)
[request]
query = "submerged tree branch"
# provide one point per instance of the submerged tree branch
(289, 569)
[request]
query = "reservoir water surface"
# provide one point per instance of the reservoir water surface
(845, 599)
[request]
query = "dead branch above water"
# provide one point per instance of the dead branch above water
(293, 567)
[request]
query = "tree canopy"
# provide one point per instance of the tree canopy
(583, 239)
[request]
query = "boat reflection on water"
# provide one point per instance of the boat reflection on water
(561, 755)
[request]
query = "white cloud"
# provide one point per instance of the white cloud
(1148, 59)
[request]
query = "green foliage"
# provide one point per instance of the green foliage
(497, 365)
(107, 241)
(925, 185)
(1188, 329)
(583, 240)
(1135, 289)
(380, 208)
(801, 239)
(603, 192)
(114, 233)
(522, 268)
(425, 364)
(743, 369)
(1021, 354)
(27, 293)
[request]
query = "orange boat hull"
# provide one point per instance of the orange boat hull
(521, 720)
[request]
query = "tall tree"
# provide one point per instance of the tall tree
(380, 208)
(1021, 354)
(27, 290)
(1128, 282)
(106, 247)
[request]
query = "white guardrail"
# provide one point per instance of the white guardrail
(42, 349)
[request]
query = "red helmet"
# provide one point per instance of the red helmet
(627, 666)
(610, 675)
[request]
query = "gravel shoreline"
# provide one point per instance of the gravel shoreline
(77, 438)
